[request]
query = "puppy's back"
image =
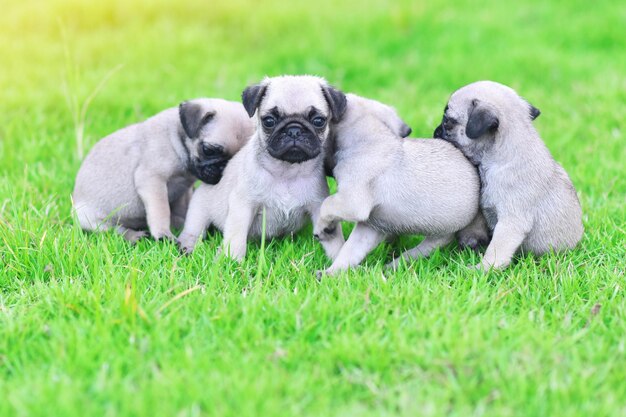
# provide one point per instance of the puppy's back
(558, 217)
(432, 187)
(439, 162)
(105, 179)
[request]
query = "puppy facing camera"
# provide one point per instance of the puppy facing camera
(141, 177)
(391, 186)
(293, 137)
(279, 172)
(527, 198)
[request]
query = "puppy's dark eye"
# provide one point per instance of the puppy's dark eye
(448, 122)
(268, 122)
(209, 150)
(318, 121)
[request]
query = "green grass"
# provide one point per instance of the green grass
(91, 326)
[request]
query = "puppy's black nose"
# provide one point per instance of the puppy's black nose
(294, 131)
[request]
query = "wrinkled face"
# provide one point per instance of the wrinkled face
(293, 115)
(294, 137)
(209, 162)
(214, 131)
(474, 114)
(460, 126)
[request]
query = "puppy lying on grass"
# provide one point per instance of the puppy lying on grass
(392, 186)
(142, 175)
(527, 197)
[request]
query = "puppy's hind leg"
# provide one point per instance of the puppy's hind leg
(90, 222)
(89, 219)
(475, 235)
(361, 242)
(179, 209)
(424, 249)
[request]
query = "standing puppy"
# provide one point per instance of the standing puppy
(281, 169)
(527, 198)
(392, 186)
(142, 176)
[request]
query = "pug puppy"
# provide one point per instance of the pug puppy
(142, 175)
(390, 186)
(279, 172)
(527, 198)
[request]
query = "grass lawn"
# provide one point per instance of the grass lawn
(90, 326)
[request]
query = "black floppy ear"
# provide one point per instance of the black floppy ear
(534, 112)
(193, 116)
(438, 133)
(405, 130)
(480, 121)
(336, 101)
(252, 96)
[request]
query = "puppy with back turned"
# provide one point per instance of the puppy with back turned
(280, 171)
(526, 197)
(390, 186)
(141, 177)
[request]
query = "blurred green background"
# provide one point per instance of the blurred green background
(565, 57)
(89, 325)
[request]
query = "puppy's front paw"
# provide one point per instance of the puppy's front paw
(186, 245)
(163, 235)
(486, 266)
(325, 273)
(183, 249)
(480, 267)
(324, 230)
(237, 255)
